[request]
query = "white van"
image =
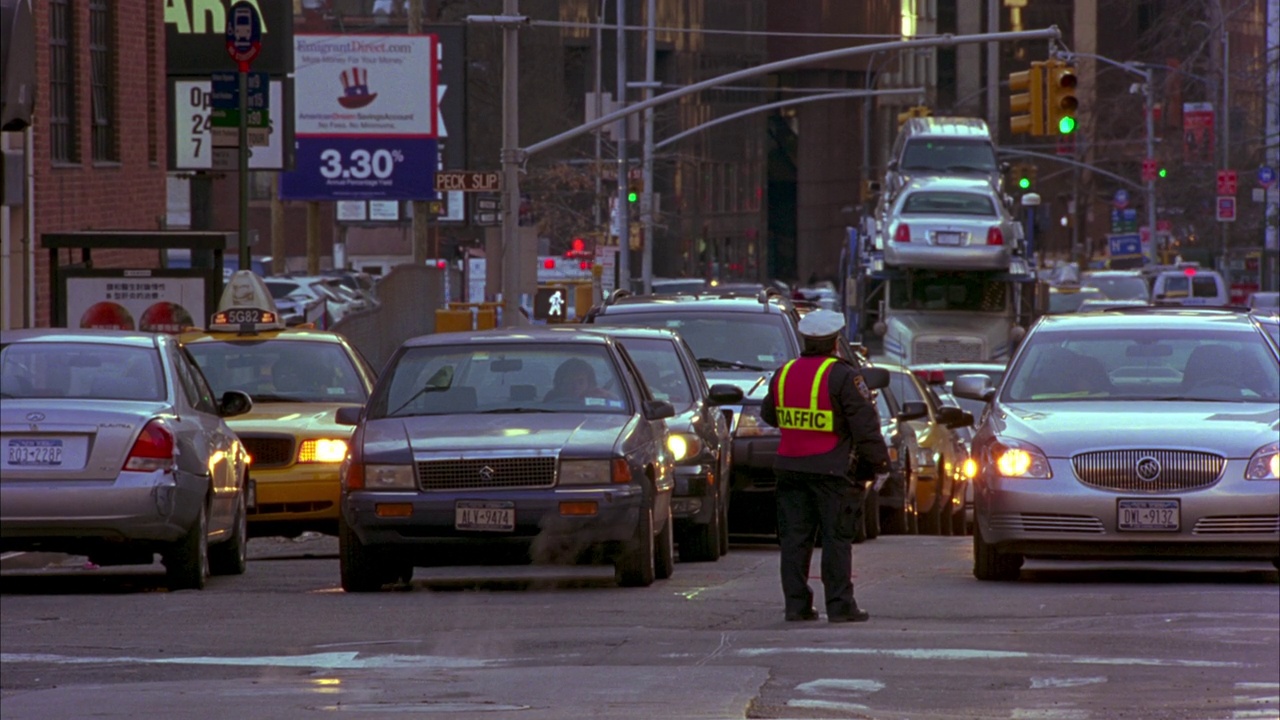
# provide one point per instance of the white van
(1189, 286)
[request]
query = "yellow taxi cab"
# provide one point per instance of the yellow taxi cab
(298, 378)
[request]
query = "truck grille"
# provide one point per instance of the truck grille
(948, 350)
(269, 451)
(487, 473)
(1148, 471)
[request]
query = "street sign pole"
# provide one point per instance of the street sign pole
(242, 152)
(244, 42)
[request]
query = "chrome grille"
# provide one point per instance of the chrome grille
(1178, 470)
(1235, 524)
(940, 351)
(1029, 522)
(269, 451)
(487, 473)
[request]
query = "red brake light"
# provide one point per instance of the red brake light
(921, 375)
(994, 236)
(441, 264)
(1189, 271)
(937, 377)
(903, 233)
(153, 450)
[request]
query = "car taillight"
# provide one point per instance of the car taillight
(351, 472)
(903, 233)
(994, 236)
(153, 450)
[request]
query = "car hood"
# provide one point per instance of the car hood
(1069, 428)
(754, 384)
(289, 418)
(571, 434)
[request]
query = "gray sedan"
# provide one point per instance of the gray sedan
(115, 448)
(1138, 433)
(950, 224)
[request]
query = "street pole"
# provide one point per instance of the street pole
(243, 156)
(599, 110)
(1226, 126)
(993, 66)
(646, 200)
(511, 157)
(1149, 94)
(623, 215)
(419, 231)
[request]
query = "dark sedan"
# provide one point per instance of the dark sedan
(535, 445)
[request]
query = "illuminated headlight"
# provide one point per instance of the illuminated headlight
(322, 451)
(1021, 460)
(389, 477)
(683, 446)
(969, 468)
(585, 472)
(750, 424)
(1265, 463)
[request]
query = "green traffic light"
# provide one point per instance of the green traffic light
(1164, 172)
(1067, 125)
(1024, 183)
(633, 196)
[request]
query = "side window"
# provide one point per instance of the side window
(1205, 286)
(193, 383)
(634, 378)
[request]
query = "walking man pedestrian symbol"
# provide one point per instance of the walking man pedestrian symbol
(557, 303)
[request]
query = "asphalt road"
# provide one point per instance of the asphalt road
(1069, 641)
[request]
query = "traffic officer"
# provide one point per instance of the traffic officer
(830, 427)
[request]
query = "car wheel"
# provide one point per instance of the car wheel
(363, 569)
(701, 543)
(186, 562)
(991, 564)
(931, 521)
(664, 564)
(871, 514)
(913, 518)
(634, 564)
(724, 520)
(231, 556)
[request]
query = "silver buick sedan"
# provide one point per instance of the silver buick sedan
(950, 223)
(1143, 432)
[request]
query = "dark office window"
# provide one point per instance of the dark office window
(102, 65)
(62, 83)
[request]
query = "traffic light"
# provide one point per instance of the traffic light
(1025, 177)
(634, 188)
(914, 111)
(1061, 91)
(1026, 101)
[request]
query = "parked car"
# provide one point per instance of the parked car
(539, 441)
(116, 448)
(1264, 301)
(950, 223)
(699, 440)
(1137, 433)
(942, 146)
(298, 379)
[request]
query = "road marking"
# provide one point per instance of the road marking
(826, 705)
(324, 661)
(840, 685)
(1052, 682)
(970, 655)
(1049, 714)
(1263, 706)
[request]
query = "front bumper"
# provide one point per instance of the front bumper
(693, 499)
(299, 493)
(1063, 517)
(75, 516)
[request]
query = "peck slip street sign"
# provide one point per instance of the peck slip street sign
(468, 181)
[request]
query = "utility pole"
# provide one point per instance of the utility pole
(420, 213)
(624, 219)
(1149, 95)
(511, 159)
(993, 66)
(1226, 122)
(646, 198)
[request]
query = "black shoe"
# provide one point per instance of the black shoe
(855, 616)
(809, 614)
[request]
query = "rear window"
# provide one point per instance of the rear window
(945, 154)
(948, 203)
(749, 340)
(90, 371)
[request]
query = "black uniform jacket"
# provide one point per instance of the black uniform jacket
(856, 423)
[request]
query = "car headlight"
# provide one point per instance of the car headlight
(1265, 463)
(586, 472)
(683, 446)
(324, 450)
(1016, 459)
(751, 424)
(969, 468)
(389, 477)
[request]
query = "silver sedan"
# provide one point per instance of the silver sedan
(950, 224)
(114, 447)
(1140, 433)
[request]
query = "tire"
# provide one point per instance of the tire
(186, 562)
(634, 566)
(231, 556)
(871, 514)
(664, 562)
(991, 564)
(931, 522)
(913, 518)
(701, 543)
(363, 569)
(724, 521)
(944, 519)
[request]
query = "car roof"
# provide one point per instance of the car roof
(135, 338)
(632, 331)
(948, 125)
(1147, 317)
(730, 302)
(513, 336)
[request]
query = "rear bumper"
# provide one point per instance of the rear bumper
(972, 257)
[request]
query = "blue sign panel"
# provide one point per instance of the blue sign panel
(225, 93)
(362, 168)
(1125, 245)
(1266, 176)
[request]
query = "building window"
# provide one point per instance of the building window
(102, 65)
(62, 83)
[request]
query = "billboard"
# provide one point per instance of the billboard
(196, 35)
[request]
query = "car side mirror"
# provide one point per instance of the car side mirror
(913, 411)
(658, 410)
(875, 377)
(234, 402)
(349, 415)
(973, 387)
(724, 394)
(954, 417)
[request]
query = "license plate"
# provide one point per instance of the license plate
(948, 238)
(485, 515)
(1146, 515)
(39, 453)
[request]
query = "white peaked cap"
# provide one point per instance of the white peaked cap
(821, 324)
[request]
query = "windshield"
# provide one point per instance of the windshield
(501, 378)
(1131, 364)
(948, 203)
(949, 154)
(934, 290)
(1069, 302)
(737, 340)
(281, 290)
(281, 370)
(94, 371)
(1124, 287)
(660, 366)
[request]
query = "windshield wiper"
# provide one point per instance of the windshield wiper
(709, 362)
(420, 393)
(515, 410)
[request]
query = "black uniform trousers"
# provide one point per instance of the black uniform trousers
(810, 503)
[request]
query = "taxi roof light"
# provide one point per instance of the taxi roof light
(246, 306)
